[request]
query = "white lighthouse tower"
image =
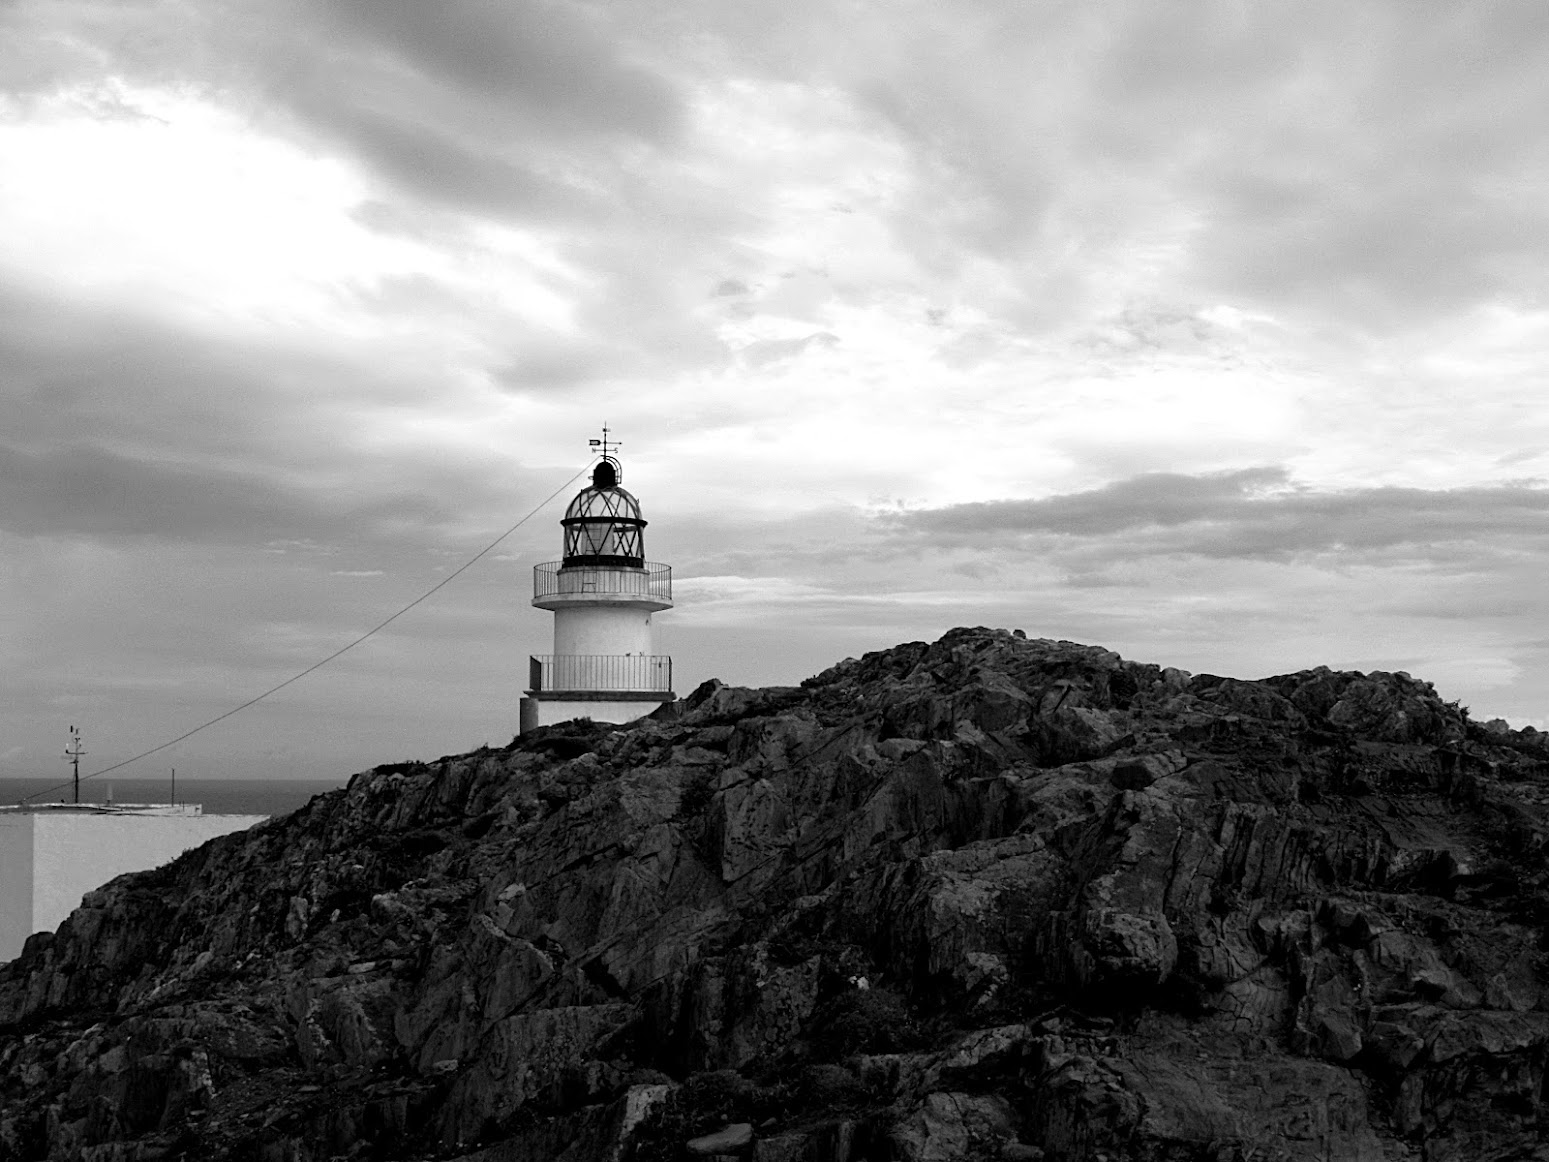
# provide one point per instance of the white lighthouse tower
(602, 594)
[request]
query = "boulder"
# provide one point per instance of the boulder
(731, 1139)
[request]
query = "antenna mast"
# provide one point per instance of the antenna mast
(73, 754)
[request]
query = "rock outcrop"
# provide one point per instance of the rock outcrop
(986, 898)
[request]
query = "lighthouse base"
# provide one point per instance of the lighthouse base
(600, 706)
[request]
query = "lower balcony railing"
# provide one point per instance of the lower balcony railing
(647, 673)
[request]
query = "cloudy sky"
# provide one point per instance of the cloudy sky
(1215, 333)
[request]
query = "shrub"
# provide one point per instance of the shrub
(864, 1021)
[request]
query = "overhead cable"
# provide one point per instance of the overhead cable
(381, 625)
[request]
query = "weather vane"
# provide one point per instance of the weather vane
(605, 447)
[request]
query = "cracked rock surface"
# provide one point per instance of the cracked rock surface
(982, 898)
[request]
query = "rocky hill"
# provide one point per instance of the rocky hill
(985, 898)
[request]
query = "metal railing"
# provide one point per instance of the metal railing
(647, 673)
(551, 578)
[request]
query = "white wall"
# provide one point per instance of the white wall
(15, 883)
(70, 854)
(602, 629)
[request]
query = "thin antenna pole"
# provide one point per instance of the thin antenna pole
(174, 786)
(73, 754)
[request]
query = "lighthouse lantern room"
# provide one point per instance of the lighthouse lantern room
(602, 594)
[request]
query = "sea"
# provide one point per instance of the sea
(216, 796)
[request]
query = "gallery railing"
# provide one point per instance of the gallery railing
(645, 673)
(550, 578)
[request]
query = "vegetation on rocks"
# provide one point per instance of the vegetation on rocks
(986, 897)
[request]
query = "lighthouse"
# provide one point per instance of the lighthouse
(602, 593)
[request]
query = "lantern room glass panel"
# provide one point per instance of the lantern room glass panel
(603, 525)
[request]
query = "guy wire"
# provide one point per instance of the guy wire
(383, 624)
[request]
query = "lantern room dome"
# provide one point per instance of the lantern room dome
(604, 504)
(603, 525)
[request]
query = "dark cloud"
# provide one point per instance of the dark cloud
(427, 161)
(76, 372)
(81, 373)
(122, 426)
(91, 492)
(1254, 513)
(1160, 499)
(559, 66)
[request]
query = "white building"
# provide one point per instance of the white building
(602, 593)
(52, 854)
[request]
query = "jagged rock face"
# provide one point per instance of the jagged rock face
(982, 898)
